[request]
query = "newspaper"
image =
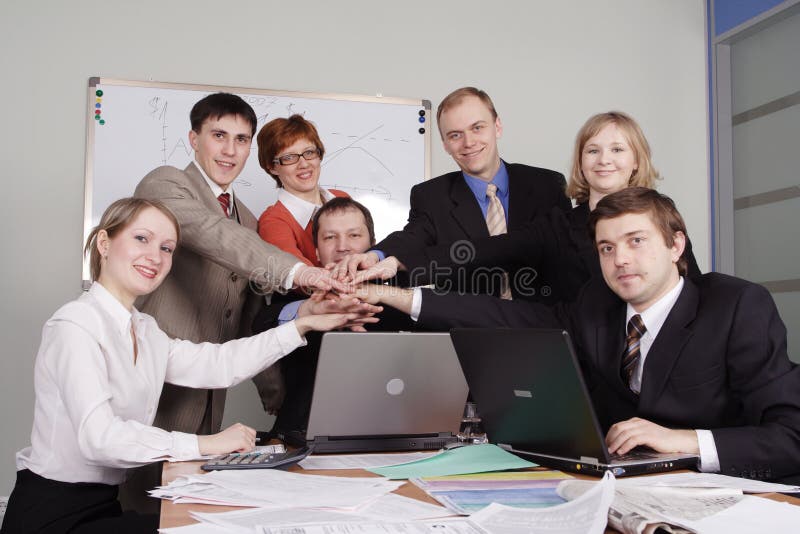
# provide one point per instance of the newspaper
(639, 509)
(587, 513)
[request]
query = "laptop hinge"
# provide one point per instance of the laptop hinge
(505, 446)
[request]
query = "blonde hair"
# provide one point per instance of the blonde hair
(116, 218)
(645, 174)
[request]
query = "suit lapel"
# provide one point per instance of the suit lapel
(202, 189)
(240, 212)
(466, 211)
(610, 343)
(668, 345)
(244, 215)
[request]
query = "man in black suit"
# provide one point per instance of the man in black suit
(452, 209)
(703, 368)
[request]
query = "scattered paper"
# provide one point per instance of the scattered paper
(457, 526)
(709, 480)
(270, 487)
(197, 528)
(586, 514)
(390, 508)
(467, 494)
(398, 508)
(752, 514)
(254, 518)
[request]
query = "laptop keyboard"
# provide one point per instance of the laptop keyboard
(633, 456)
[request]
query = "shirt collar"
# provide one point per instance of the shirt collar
(216, 190)
(301, 210)
(654, 316)
(500, 179)
(119, 314)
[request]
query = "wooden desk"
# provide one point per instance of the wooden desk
(175, 515)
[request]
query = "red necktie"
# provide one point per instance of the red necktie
(225, 202)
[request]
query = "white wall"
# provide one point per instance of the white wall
(548, 66)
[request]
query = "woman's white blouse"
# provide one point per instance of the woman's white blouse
(94, 406)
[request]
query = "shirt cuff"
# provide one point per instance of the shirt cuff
(288, 337)
(289, 282)
(709, 459)
(381, 254)
(289, 312)
(184, 446)
(416, 304)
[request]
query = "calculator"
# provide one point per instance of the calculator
(256, 459)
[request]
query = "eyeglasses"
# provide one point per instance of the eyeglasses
(290, 159)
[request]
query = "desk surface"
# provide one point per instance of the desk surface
(175, 515)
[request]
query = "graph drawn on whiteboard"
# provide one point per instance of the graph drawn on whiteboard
(376, 148)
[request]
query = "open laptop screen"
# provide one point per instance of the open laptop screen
(529, 390)
(386, 384)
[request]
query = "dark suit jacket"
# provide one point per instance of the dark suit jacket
(444, 212)
(719, 362)
(557, 243)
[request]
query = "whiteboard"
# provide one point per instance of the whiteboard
(376, 148)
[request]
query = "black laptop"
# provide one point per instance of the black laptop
(384, 391)
(533, 401)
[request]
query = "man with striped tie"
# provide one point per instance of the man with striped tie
(675, 364)
(486, 196)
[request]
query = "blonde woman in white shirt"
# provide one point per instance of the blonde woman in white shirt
(99, 373)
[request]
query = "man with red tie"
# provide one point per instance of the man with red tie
(207, 296)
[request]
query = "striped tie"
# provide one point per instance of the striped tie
(496, 223)
(225, 202)
(630, 360)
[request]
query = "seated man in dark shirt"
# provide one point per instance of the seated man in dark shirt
(342, 226)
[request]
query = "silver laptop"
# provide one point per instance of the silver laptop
(533, 401)
(385, 391)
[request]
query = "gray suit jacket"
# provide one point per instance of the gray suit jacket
(207, 294)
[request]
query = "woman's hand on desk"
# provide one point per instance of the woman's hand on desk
(235, 438)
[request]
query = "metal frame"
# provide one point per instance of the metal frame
(723, 121)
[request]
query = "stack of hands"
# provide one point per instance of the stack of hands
(343, 288)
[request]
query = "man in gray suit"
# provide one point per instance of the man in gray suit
(207, 295)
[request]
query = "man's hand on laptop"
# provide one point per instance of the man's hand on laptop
(625, 435)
